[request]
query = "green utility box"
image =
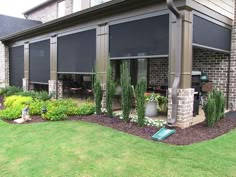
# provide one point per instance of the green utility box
(162, 134)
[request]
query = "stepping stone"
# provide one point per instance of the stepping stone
(20, 121)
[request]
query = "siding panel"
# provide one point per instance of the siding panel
(224, 7)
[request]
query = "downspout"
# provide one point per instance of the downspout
(178, 55)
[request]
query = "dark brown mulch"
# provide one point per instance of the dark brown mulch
(186, 136)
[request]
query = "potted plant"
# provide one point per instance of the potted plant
(151, 106)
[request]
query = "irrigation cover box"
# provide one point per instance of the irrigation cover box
(162, 134)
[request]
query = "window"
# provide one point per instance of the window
(77, 5)
(97, 2)
(61, 9)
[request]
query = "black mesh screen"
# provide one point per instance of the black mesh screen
(210, 34)
(40, 61)
(77, 52)
(16, 65)
(148, 37)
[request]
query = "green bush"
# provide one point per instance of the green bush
(10, 90)
(110, 91)
(210, 112)
(126, 93)
(15, 100)
(36, 107)
(162, 104)
(86, 109)
(42, 95)
(61, 109)
(11, 113)
(214, 107)
(140, 97)
(98, 95)
(56, 113)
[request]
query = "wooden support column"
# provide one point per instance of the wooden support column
(53, 58)
(25, 81)
(52, 83)
(102, 54)
(26, 60)
(186, 63)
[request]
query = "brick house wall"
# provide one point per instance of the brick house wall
(214, 64)
(158, 71)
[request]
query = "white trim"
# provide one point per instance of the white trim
(211, 48)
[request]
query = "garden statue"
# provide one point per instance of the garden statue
(25, 113)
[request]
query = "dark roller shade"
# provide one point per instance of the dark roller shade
(148, 37)
(77, 52)
(210, 34)
(40, 61)
(16, 66)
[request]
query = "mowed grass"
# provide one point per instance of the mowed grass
(83, 149)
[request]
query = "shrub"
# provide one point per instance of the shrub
(139, 91)
(210, 112)
(42, 95)
(214, 107)
(10, 90)
(11, 113)
(98, 95)
(110, 92)
(163, 104)
(36, 107)
(56, 113)
(16, 100)
(86, 109)
(126, 93)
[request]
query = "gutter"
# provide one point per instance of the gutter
(178, 55)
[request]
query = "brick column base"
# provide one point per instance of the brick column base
(25, 84)
(59, 89)
(185, 98)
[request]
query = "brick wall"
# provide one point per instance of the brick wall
(214, 64)
(158, 71)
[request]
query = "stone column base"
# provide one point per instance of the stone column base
(185, 99)
(103, 95)
(59, 89)
(25, 84)
(52, 88)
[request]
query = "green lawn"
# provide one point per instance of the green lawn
(84, 149)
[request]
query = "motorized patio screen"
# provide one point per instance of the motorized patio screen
(40, 62)
(209, 34)
(148, 37)
(77, 52)
(16, 66)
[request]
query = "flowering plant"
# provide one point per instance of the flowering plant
(150, 97)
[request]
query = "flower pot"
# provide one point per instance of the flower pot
(151, 109)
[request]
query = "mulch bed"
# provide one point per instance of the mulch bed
(186, 136)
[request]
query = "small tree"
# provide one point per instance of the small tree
(98, 95)
(126, 93)
(110, 91)
(140, 107)
(214, 107)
